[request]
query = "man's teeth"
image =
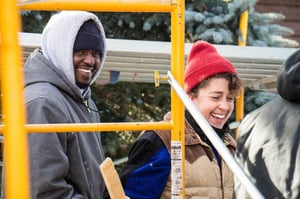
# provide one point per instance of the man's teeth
(85, 70)
(219, 116)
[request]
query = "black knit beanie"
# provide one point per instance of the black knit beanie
(89, 37)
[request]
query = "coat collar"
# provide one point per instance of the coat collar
(195, 135)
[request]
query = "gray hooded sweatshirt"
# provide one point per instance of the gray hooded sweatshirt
(62, 164)
(268, 147)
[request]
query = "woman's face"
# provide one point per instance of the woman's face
(215, 102)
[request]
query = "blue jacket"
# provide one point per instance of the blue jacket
(147, 171)
(148, 168)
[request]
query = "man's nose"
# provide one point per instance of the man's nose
(89, 59)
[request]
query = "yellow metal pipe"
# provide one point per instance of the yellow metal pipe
(177, 63)
(239, 111)
(44, 128)
(243, 28)
(17, 141)
(103, 5)
(15, 147)
(241, 42)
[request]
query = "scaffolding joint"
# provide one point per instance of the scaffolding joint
(157, 77)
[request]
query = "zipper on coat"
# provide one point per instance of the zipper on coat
(85, 101)
(222, 183)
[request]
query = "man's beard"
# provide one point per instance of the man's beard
(82, 85)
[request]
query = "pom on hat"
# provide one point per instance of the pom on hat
(204, 61)
(89, 37)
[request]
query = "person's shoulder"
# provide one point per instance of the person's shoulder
(149, 135)
(47, 96)
(43, 90)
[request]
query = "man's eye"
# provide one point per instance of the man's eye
(80, 52)
(96, 54)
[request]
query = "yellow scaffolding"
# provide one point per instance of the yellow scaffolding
(242, 41)
(14, 126)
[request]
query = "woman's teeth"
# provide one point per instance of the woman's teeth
(219, 116)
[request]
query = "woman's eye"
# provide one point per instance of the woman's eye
(215, 97)
(230, 98)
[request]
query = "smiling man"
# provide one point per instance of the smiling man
(57, 90)
(88, 48)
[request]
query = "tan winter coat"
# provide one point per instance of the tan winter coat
(203, 176)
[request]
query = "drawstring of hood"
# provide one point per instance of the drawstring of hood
(86, 104)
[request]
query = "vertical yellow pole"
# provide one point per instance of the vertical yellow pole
(239, 115)
(244, 28)
(15, 147)
(239, 111)
(177, 63)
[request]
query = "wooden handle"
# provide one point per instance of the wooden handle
(112, 180)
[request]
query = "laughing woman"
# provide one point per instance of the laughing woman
(212, 83)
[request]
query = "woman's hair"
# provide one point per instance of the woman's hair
(234, 86)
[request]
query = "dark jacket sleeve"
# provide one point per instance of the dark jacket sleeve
(148, 164)
(268, 150)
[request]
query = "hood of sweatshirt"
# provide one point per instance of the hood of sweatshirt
(58, 38)
(38, 70)
(288, 78)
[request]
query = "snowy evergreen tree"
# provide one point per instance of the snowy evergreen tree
(215, 21)
(218, 22)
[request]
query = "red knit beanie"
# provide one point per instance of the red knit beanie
(204, 61)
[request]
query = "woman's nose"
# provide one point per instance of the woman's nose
(224, 104)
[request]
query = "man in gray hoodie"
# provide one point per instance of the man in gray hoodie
(57, 90)
(268, 147)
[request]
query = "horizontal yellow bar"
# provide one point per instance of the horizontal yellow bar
(103, 5)
(44, 128)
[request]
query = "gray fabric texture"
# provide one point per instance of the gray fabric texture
(62, 164)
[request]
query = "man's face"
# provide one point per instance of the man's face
(86, 64)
